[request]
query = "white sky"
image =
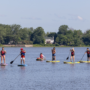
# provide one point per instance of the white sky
(49, 14)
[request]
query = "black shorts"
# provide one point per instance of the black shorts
(72, 55)
(88, 55)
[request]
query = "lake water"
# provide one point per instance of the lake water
(39, 75)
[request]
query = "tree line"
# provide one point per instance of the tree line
(15, 34)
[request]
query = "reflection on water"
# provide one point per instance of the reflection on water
(43, 75)
(72, 65)
(2, 67)
(22, 68)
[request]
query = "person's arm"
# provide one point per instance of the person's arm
(85, 52)
(44, 57)
(5, 51)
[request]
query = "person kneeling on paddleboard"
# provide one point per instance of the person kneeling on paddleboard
(42, 57)
(3, 52)
(53, 54)
(88, 54)
(22, 55)
(72, 54)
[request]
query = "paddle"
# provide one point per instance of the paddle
(14, 60)
(68, 56)
(82, 57)
(44, 58)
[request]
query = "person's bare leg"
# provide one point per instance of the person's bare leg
(1, 59)
(4, 59)
(54, 57)
(21, 61)
(89, 59)
(71, 59)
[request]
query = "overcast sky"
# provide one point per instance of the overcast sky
(49, 14)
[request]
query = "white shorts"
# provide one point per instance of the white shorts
(23, 58)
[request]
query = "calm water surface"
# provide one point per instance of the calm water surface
(45, 76)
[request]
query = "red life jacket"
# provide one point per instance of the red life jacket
(22, 53)
(2, 52)
(88, 52)
(72, 52)
(41, 56)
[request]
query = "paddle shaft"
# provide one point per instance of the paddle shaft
(16, 57)
(69, 54)
(82, 57)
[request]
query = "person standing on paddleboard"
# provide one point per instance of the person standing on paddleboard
(88, 54)
(22, 55)
(3, 52)
(53, 54)
(72, 54)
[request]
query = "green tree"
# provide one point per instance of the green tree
(57, 40)
(86, 37)
(38, 34)
(2, 34)
(63, 29)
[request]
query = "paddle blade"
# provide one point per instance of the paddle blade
(81, 61)
(11, 62)
(67, 58)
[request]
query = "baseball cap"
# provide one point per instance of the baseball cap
(21, 49)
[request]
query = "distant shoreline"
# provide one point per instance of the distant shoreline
(39, 45)
(16, 45)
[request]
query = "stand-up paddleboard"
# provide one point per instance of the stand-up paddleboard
(22, 65)
(70, 62)
(39, 59)
(3, 64)
(52, 61)
(84, 61)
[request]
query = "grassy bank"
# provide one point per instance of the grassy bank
(56, 45)
(1, 45)
(47, 45)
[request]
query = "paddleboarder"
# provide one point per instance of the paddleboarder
(3, 52)
(53, 54)
(22, 52)
(41, 56)
(72, 55)
(88, 54)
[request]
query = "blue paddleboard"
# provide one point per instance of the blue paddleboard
(22, 65)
